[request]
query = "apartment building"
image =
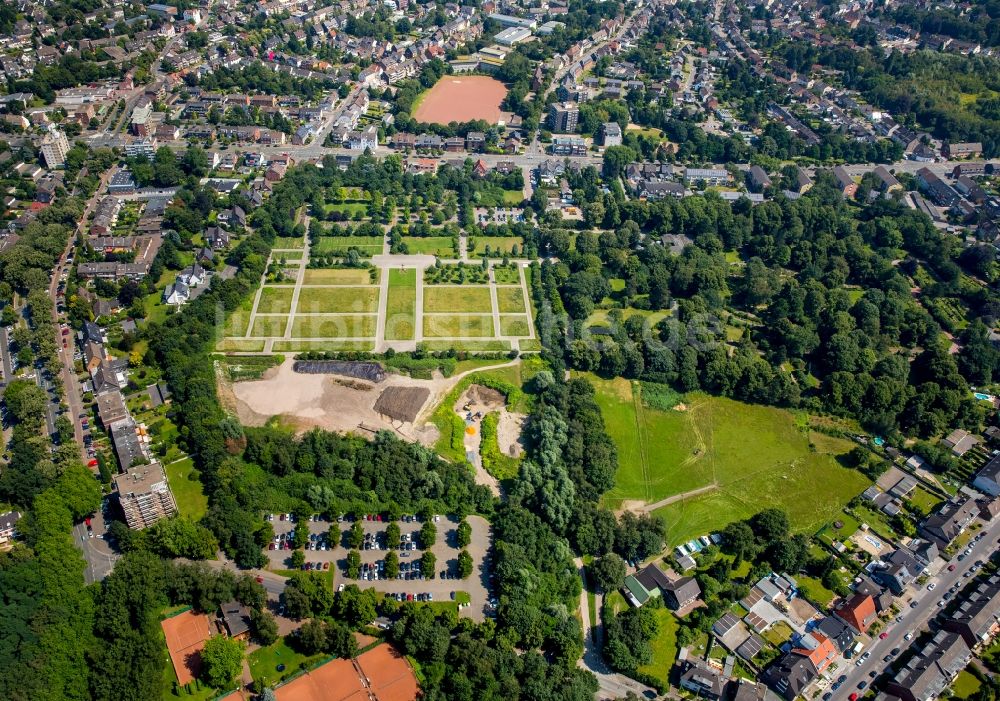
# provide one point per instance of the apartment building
(54, 148)
(145, 495)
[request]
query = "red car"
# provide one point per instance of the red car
(951, 568)
(260, 580)
(883, 636)
(853, 697)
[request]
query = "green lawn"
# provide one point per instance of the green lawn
(459, 326)
(442, 246)
(337, 245)
(299, 346)
(337, 300)
(237, 322)
(342, 326)
(454, 299)
(264, 662)
(965, 685)
(275, 300)
(285, 242)
(503, 244)
(814, 590)
(599, 317)
(269, 326)
(338, 276)
(507, 275)
(664, 647)
(749, 457)
(239, 345)
(510, 300)
(349, 208)
(513, 197)
(401, 305)
(470, 345)
(514, 325)
(186, 485)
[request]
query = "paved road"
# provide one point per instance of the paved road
(6, 362)
(915, 619)
(611, 685)
(96, 551)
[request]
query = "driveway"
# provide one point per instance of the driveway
(476, 586)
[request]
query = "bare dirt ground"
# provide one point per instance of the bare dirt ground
(510, 428)
(307, 401)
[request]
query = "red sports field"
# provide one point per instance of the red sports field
(462, 99)
(186, 634)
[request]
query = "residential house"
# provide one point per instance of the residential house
(790, 675)
(927, 674)
(611, 134)
(234, 619)
(987, 480)
(176, 294)
(949, 521)
(216, 237)
(111, 407)
(858, 612)
(941, 192)
(758, 179)
(963, 150)
(960, 442)
(841, 634)
(681, 592)
(643, 585)
(977, 618)
(887, 181)
(701, 678)
(8, 527)
(848, 188)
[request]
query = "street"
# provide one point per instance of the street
(96, 551)
(915, 619)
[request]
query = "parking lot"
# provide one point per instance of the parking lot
(329, 548)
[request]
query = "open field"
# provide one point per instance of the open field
(401, 305)
(461, 99)
(440, 246)
(275, 300)
(459, 326)
(514, 325)
(334, 326)
(368, 245)
(338, 276)
(337, 300)
(288, 243)
(457, 299)
(269, 326)
(503, 244)
(187, 489)
(745, 458)
(664, 646)
(510, 300)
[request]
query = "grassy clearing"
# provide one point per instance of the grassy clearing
(275, 300)
(814, 590)
(513, 197)
(239, 345)
(338, 245)
(337, 300)
(401, 305)
(450, 299)
(600, 317)
(965, 685)
(498, 245)
(339, 276)
(510, 300)
(442, 246)
(749, 457)
(342, 326)
(239, 320)
(269, 326)
(299, 346)
(664, 647)
(471, 346)
(264, 662)
(507, 275)
(514, 325)
(185, 483)
(459, 326)
(288, 242)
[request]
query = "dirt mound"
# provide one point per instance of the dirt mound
(402, 403)
(480, 398)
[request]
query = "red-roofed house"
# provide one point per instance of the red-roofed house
(858, 612)
(820, 650)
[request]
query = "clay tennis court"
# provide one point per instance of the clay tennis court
(462, 99)
(186, 634)
(381, 674)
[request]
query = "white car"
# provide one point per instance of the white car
(908, 636)
(931, 587)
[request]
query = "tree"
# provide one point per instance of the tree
(428, 534)
(25, 401)
(463, 534)
(428, 561)
(298, 559)
(392, 534)
(353, 564)
(465, 564)
(738, 539)
(265, 628)
(391, 564)
(608, 572)
(311, 637)
(356, 536)
(221, 661)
